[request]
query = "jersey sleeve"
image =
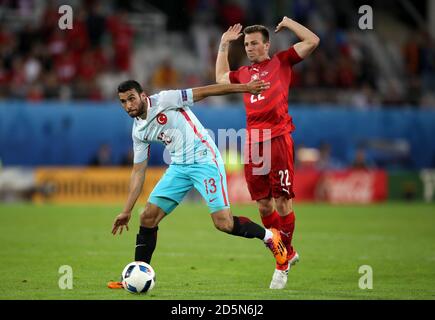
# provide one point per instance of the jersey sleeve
(141, 150)
(234, 76)
(290, 55)
(172, 99)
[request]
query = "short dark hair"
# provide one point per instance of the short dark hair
(257, 28)
(128, 85)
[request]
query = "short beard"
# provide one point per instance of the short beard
(141, 111)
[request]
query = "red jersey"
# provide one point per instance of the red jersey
(268, 110)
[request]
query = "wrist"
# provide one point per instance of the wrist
(288, 23)
(224, 41)
(223, 46)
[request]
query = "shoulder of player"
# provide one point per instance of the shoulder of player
(278, 54)
(242, 68)
(168, 94)
(284, 51)
(159, 100)
(154, 99)
(283, 54)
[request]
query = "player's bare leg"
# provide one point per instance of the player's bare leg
(244, 227)
(284, 207)
(146, 239)
(265, 206)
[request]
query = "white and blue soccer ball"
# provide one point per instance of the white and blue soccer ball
(138, 277)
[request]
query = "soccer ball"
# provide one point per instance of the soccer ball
(138, 277)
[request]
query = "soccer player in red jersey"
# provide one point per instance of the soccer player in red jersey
(269, 125)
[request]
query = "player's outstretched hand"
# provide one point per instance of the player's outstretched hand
(257, 86)
(283, 24)
(233, 33)
(120, 222)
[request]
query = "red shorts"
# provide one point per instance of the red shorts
(269, 168)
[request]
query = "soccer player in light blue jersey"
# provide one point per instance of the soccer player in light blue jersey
(166, 117)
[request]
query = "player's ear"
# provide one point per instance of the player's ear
(143, 96)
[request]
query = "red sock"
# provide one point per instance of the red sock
(287, 226)
(271, 221)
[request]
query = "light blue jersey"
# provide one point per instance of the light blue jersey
(196, 161)
(171, 122)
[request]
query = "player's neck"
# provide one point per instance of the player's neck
(143, 116)
(262, 59)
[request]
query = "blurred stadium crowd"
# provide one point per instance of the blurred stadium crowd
(168, 44)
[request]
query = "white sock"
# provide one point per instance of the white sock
(268, 235)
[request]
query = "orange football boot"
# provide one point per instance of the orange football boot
(115, 285)
(277, 247)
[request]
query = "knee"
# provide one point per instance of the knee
(149, 217)
(265, 208)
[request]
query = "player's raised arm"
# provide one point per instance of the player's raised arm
(137, 180)
(255, 87)
(222, 65)
(309, 40)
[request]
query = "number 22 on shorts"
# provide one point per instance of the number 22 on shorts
(283, 174)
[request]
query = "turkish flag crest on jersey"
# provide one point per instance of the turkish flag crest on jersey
(162, 118)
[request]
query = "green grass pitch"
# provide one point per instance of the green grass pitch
(195, 261)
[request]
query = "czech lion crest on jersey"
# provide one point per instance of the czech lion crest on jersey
(255, 76)
(162, 118)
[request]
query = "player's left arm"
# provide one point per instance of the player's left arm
(309, 40)
(255, 87)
